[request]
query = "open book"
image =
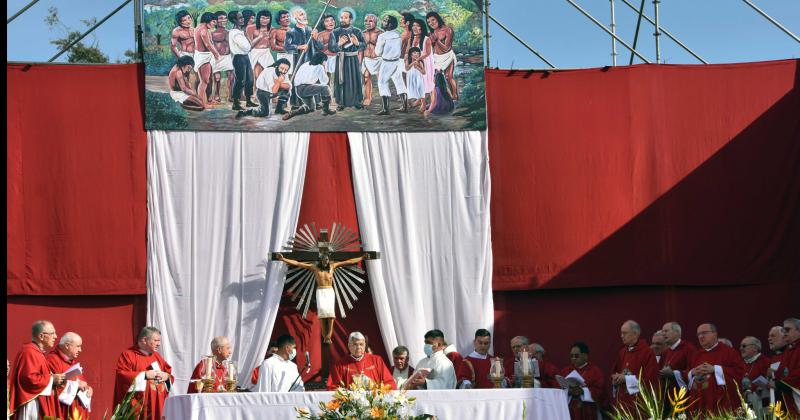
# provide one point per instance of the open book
(73, 371)
(572, 380)
(419, 373)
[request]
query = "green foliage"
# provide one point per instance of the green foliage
(472, 103)
(158, 60)
(127, 409)
(164, 111)
(80, 52)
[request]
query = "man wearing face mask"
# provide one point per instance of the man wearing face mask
(357, 364)
(221, 350)
(436, 370)
(279, 372)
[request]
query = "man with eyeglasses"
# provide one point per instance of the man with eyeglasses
(754, 382)
(585, 397)
(142, 370)
(716, 371)
(787, 376)
(31, 380)
(635, 367)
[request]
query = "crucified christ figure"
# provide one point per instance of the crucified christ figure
(326, 297)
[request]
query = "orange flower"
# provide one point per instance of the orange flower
(332, 405)
(376, 412)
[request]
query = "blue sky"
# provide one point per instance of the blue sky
(720, 31)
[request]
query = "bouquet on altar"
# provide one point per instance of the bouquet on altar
(365, 400)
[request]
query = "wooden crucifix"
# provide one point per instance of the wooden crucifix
(325, 269)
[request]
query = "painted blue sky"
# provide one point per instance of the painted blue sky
(721, 31)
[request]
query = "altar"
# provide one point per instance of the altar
(529, 403)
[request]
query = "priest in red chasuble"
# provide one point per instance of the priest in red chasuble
(31, 381)
(716, 373)
(72, 399)
(547, 370)
(787, 374)
(474, 369)
(221, 350)
(142, 370)
(588, 393)
(674, 363)
(359, 362)
(635, 361)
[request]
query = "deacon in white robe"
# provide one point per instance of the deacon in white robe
(279, 373)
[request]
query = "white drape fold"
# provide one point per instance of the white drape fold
(217, 203)
(423, 202)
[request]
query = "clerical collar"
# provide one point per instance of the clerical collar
(582, 366)
(752, 359)
(476, 355)
(675, 346)
(712, 347)
(39, 346)
(63, 356)
(146, 353)
(358, 359)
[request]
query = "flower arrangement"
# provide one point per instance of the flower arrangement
(365, 400)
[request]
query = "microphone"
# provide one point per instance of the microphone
(308, 362)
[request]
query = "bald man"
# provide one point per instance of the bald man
(221, 350)
(635, 361)
(74, 395)
(31, 380)
(716, 371)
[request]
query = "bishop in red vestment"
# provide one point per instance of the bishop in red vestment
(221, 350)
(31, 376)
(716, 371)
(635, 358)
(585, 400)
(141, 364)
(788, 372)
(474, 369)
(674, 363)
(547, 370)
(755, 363)
(60, 360)
(359, 362)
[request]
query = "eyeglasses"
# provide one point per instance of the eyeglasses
(574, 355)
(53, 333)
(745, 345)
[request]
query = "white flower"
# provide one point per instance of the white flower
(751, 415)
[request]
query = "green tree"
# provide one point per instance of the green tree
(80, 52)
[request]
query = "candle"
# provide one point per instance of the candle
(523, 358)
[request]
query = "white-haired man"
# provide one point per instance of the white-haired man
(31, 379)
(635, 361)
(777, 344)
(142, 370)
(358, 364)
(674, 361)
(658, 343)
(221, 350)
(73, 398)
(756, 365)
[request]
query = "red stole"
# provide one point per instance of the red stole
(59, 364)
(639, 361)
(455, 358)
(218, 374)
(371, 365)
(476, 371)
(595, 381)
(710, 397)
(254, 375)
(130, 364)
(30, 376)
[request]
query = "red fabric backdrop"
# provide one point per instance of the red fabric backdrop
(656, 179)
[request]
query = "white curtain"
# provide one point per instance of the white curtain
(423, 202)
(218, 203)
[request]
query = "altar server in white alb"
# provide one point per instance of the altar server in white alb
(435, 371)
(279, 373)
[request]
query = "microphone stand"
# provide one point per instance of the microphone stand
(307, 368)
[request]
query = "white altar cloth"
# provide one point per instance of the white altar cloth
(537, 403)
